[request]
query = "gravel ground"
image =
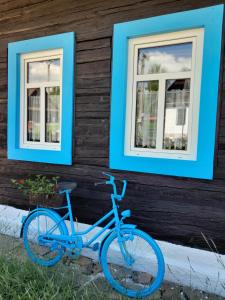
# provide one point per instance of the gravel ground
(90, 272)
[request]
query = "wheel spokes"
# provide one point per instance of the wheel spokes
(129, 270)
(39, 227)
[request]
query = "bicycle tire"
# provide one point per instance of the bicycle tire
(134, 290)
(31, 241)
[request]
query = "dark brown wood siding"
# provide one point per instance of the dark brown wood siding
(177, 210)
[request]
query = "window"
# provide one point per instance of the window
(164, 75)
(40, 99)
(41, 86)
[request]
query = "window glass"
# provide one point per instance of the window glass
(42, 71)
(43, 88)
(165, 59)
(52, 114)
(146, 114)
(33, 115)
(177, 101)
(162, 84)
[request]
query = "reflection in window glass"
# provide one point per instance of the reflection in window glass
(181, 116)
(42, 71)
(163, 59)
(146, 114)
(176, 114)
(33, 115)
(52, 114)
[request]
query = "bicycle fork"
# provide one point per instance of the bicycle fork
(122, 239)
(129, 260)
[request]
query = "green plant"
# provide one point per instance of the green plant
(37, 185)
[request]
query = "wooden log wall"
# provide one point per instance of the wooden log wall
(174, 209)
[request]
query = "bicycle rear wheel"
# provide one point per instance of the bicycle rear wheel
(137, 268)
(38, 224)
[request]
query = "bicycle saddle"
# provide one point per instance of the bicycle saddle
(65, 185)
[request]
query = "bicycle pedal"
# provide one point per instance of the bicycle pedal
(95, 247)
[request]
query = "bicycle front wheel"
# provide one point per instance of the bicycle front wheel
(135, 265)
(39, 224)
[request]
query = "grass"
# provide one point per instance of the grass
(24, 280)
(20, 279)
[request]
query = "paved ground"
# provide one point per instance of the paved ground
(91, 272)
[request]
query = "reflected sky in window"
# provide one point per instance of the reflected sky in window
(164, 59)
(42, 71)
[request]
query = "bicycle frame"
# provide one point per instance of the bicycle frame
(64, 239)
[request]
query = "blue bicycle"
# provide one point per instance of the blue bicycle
(126, 253)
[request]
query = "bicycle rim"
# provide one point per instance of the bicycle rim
(41, 253)
(136, 269)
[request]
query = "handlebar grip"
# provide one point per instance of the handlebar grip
(98, 183)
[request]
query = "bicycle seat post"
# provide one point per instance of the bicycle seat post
(65, 187)
(67, 192)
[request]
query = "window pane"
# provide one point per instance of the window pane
(176, 114)
(146, 114)
(33, 115)
(41, 71)
(163, 59)
(52, 114)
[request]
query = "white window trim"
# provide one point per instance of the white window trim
(195, 36)
(24, 60)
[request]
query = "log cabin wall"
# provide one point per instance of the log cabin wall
(173, 209)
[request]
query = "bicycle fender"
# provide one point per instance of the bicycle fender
(25, 218)
(122, 226)
(128, 226)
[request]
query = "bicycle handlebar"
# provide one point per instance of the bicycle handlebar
(112, 178)
(112, 182)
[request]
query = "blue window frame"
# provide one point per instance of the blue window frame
(210, 20)
(65, 43)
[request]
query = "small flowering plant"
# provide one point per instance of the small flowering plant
(38, 188)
